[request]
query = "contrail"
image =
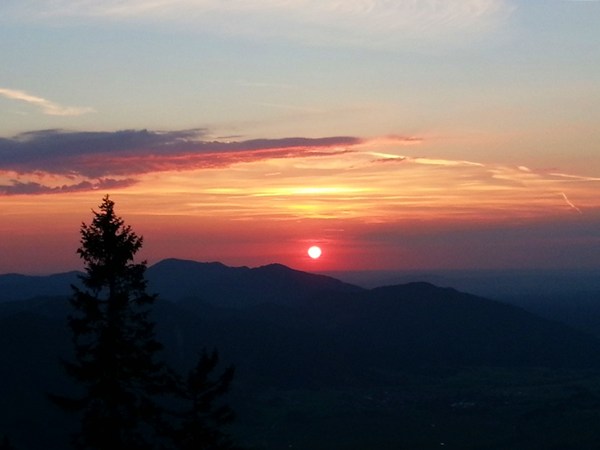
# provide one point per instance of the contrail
(570, 203)
(47, 107)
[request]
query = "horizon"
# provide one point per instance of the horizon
(317, 271)
(500, 284)
(397, 136)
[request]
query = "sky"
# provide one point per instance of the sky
(394, 134)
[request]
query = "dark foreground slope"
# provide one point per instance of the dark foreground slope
(312, 352)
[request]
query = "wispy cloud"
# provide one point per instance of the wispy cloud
(570, 203)
(367, 185)
(370, 22)
(47, 107)
(375, 180)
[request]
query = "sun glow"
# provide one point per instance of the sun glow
(314, 252)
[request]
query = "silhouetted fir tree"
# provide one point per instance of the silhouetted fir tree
(115, 346)
(125, 385)
(201, 421)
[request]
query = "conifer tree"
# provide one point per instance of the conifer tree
(115, 346)
(201, 420)
(125, 385)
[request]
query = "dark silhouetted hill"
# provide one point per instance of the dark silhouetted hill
(19, 287)
(274, 319)
(238, 286)
(283, 329)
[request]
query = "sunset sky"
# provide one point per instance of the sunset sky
(395, 134)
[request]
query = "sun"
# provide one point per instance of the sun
(314, 252)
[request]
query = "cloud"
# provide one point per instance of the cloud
(47, 107)
(358, 22)
(102, 157)
(133, 152)
(570, 203)
(33, 188)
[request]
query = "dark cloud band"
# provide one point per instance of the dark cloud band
(32, 188)
(131, 152)
(110, 159)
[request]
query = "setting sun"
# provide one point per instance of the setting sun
(314, 252)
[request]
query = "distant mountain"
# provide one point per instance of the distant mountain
(20, 287)
(176, 279)
(442, 326)
(504, 284)
(352, 336)
(244, 310)
(282, 328)
(221, 285)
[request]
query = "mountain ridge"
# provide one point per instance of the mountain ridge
(290, 331)
(395, 325)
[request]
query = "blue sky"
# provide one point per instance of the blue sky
(488, 93)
